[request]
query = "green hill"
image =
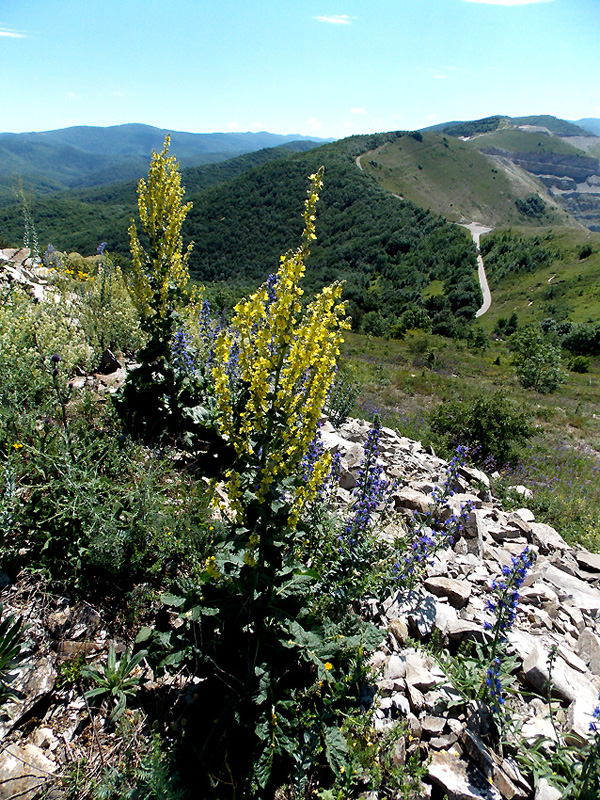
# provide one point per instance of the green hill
(553, 274)
(557, 126)
(389, 252)
(451, 177)
(516, 140)
(79, 219)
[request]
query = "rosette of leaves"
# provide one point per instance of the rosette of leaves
(116, 680)
(11, 658)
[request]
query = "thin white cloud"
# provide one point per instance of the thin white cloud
(358, 111)
(431, 117)
(440, 77)
(314, 124)
(508, 2)
(6, 32)
(336, 19)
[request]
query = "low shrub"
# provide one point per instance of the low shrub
(492, 427)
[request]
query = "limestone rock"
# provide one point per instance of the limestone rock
(588, 561)
(567, 683)
(581, 594)
(459, 779)
(588, 648)
(545, 791)
(413, 500)
(457, 592)
(24, 770)
(546, 538)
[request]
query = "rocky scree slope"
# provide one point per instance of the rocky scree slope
(48, 727)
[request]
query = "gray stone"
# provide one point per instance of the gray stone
(460, 780)
(545, 791)
(588, 561)
(414, 726)
(567, 683)
(465, 629)
(400, 701)
(579, 716)
(438, 700)
(412, 500)
(492, 768)
(525, 514)
(522, 490)
(516, 521)
(432, 726)
(416, 698)
(32, 684)
(24, 771)
(399, 630)
(474, 475)
(395, 667)
(422, 618)
(444, 742)
(457, 592)
(582, 595)
(418, 673)
(588, 648)
(546, 538)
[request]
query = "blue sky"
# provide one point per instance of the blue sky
(314, 67)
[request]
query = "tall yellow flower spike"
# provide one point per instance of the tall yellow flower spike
(162, 214)
(286, 363)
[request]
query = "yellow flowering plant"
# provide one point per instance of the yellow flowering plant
(163, 397)
(158, 274)
(272, 369)
(269, 405)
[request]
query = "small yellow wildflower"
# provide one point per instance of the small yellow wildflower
(17, 446)
(328, 665)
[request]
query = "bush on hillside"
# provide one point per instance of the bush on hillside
(538, 359)
(491, 427)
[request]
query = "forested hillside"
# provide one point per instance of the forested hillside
(395, 258)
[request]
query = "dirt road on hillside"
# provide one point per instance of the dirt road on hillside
(476, 230)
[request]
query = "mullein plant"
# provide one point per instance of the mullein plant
(163, 399)
(258, 621)
(270, 404)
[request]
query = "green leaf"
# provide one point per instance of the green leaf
(144, 634)
(336, 749)
(262, 769)
(172, 600)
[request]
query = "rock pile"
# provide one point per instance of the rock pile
(17, 266)
(559, 608)
(47, 726)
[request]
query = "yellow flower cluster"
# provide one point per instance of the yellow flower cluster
(286, 364)
(162, 214)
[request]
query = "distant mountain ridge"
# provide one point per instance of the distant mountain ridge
(590, 124)
(135, 139)
(81, 156)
